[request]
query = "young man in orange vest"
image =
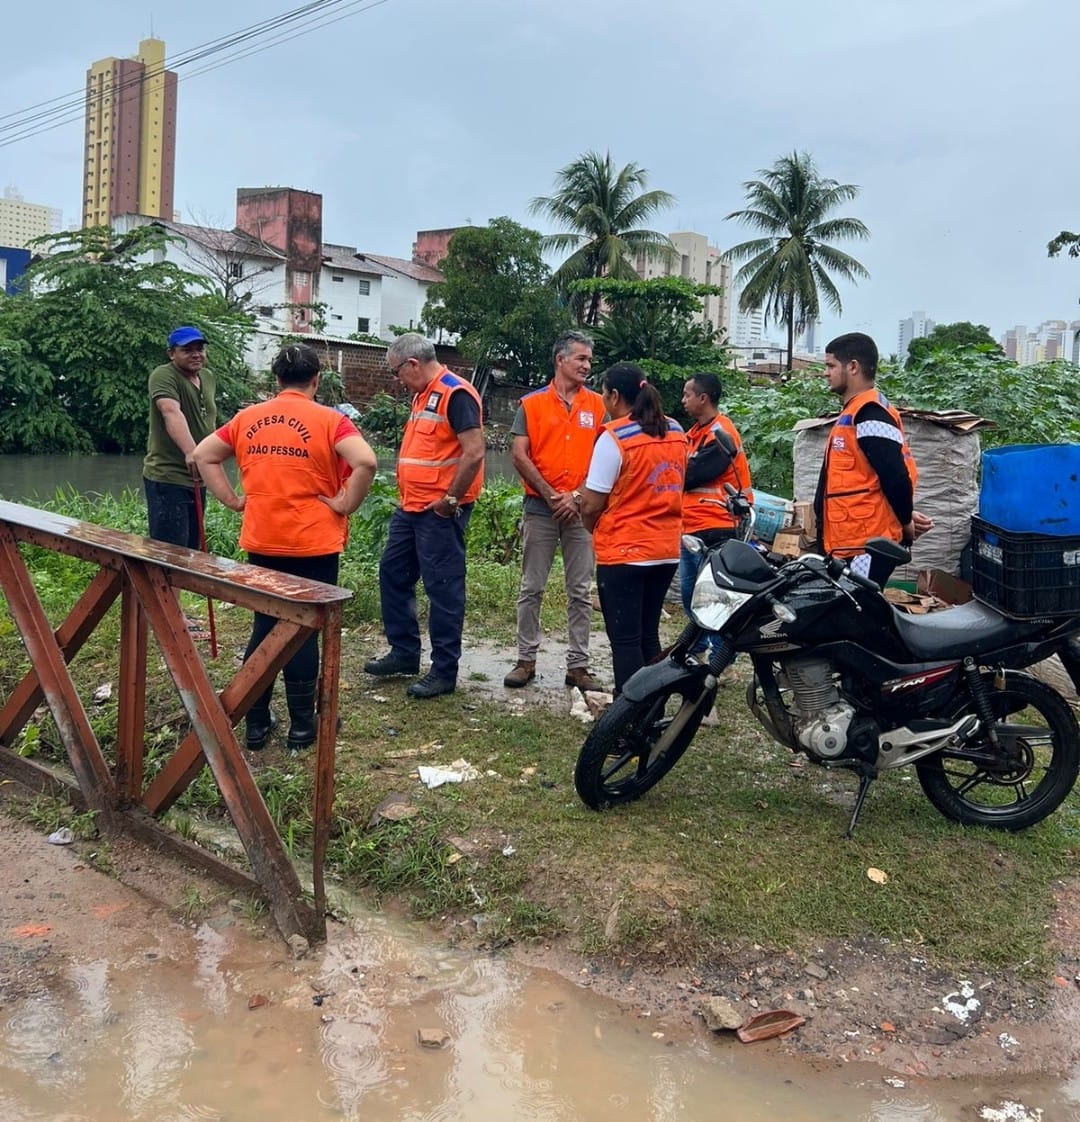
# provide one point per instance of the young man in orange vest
(554, 432)
(716, 457)
(867, 483)
(440, 471)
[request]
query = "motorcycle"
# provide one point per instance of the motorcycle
(846, 678)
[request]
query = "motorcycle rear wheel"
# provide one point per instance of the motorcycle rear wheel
(636, 743)
(1040, 738)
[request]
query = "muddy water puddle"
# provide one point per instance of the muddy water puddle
(160, 1025)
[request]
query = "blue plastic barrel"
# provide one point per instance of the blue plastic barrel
(771, 515)
(1032, 488)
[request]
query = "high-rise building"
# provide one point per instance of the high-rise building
(917, 326)
(21, 221)
(699, 262)
(130, 137)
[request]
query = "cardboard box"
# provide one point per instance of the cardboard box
(787, 542)
(804, 517)
(943, 586)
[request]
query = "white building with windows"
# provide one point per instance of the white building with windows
(917, 326)
(21, 222)
(701, 263)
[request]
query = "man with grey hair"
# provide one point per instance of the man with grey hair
(554, 432)
(440, 471)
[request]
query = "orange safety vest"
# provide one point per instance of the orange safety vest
(561, 440)
(430, 449)
(284, 448)
(643, 517)
(700, 510)
(855, 509)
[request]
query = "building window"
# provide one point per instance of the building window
(266, 310)
(363, 324)
(333, 316)
(337, 280)
(301, 279)
(236, 270)
(365, 289)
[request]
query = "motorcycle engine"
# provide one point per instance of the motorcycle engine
(821, 718)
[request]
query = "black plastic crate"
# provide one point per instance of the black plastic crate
(1025, 574)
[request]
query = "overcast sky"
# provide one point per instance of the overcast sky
(956, 118)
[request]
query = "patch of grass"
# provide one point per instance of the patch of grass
(736, 846)
(193, 905)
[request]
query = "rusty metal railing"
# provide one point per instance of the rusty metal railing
(146, 576)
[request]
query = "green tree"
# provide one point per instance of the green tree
(498, 297)
(602, 213)
(1065, 240)
(79, 340)
(787, 271)
(950, 337)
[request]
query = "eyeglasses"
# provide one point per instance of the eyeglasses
(394, 369)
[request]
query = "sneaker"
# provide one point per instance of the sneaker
(430, 686)
(393, 663)
(580, 678)
(521, 675)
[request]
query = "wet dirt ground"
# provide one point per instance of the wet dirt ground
(114, 1006)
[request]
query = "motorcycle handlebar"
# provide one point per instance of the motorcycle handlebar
(839, 568)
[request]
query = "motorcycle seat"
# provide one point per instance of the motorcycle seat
(965, 629)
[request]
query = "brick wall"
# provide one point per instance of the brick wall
(364, 370)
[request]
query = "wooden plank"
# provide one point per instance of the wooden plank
(326, 747)
(245, 805)
(284, 640)
(131, 700)
(70, 637)
(67, 710)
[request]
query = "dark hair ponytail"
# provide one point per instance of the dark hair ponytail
(646, 408)
(296, 365)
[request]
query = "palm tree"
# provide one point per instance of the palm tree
(602, 213)
(787, 270)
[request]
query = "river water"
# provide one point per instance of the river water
(26, 478)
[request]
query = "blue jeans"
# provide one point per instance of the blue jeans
(423, 546)
(689, 563)
(170, 513)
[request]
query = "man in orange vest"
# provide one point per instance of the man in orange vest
(554, 432)
(440, 471)
(867, 483)
(716, 457)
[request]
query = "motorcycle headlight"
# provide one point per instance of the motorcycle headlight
(712, 606)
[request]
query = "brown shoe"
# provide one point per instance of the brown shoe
(580, 678)
(522, 674)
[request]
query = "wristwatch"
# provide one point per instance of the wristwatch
(451, 501)
(576, 495)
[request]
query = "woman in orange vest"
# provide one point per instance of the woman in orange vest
(304, 469)
(632, 504)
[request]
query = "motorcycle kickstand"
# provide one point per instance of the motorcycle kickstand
(867, 775)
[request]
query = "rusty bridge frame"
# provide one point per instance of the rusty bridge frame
(146, 575)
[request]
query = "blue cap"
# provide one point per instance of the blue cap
(184, 335)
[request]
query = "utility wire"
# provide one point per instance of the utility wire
(320, 14)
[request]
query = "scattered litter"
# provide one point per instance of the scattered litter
(962, 1009)
(877, 876)
(258, 1000)
(63, 836)
(579, 708)
(894, 1081)
(1007, 1041)
(1009, 1111)
(379, 697)
(103, 693)
(764, 1026)
(460, 771)
(508, 851)
(393, 808)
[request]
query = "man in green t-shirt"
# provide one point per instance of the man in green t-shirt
(182, 412)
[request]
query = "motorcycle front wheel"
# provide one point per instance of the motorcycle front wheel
(636, 743)
(1021, 781)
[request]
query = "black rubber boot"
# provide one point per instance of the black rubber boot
(302, 727)
(261, 722)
